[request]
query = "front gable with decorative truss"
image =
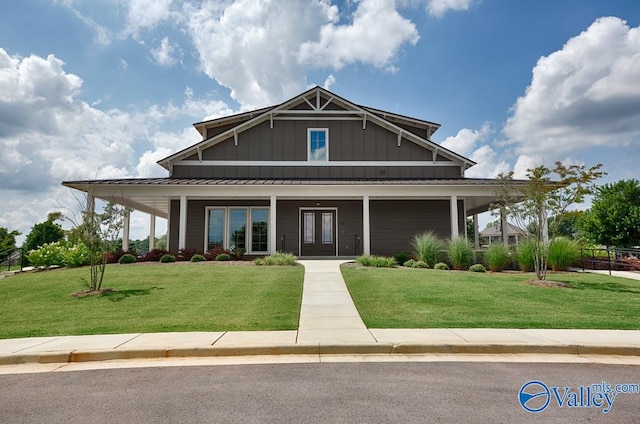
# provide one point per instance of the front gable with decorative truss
(276, 142)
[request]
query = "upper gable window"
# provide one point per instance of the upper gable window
(318, 144)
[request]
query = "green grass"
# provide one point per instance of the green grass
(152, 298)
(415, 298)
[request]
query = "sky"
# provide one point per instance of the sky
(105, 88)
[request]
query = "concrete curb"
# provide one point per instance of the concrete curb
(76, 356)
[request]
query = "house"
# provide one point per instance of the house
(493, 234)
(317, 175)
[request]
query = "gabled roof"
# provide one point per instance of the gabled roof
(317, 99)
(494, 230)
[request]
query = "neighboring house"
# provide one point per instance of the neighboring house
(493, 234)
(316, 175)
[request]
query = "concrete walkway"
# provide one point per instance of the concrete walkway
(622, 274)
(327, 313)
(329, 325)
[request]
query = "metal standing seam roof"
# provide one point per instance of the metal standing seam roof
(284, 181)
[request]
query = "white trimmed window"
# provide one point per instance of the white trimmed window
(242, 227)
(318, 144)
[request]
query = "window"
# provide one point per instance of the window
(327, 227)
(246, 228)
(259, 224)
(318, 144)
(215, 236)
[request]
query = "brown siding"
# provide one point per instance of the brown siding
(324, 172)
(395, 222)
(349, 222)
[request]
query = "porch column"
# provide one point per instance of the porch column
(476, 240)
(505, 229)
(454, 217)
(273, 240)
(152, 232)
(125, 230)
(182, 230)
(366, 226)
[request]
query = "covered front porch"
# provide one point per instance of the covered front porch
(310, 218)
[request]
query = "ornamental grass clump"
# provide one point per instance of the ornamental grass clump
(278, 259)
(497, 257)
(460, 253)
(376, 261)
(426, 247)
(525, 255)
(562, 253)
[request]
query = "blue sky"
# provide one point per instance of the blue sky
(105, 88)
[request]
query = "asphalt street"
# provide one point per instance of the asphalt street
(315, 393)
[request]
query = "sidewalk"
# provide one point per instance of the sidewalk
(329, 325)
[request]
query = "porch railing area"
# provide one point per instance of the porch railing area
(611, 259)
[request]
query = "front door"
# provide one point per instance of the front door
(318, 231)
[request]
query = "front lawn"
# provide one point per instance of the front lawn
(152, 298)
(417, 298)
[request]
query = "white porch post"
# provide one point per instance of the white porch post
(454, 217)
(182, 233)
(152, 232)
(125, 230)
(476, 239)
(505, 229)
(273, 240)
(366, 226)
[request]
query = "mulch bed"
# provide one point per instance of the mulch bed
(86, 293)
(548, 283)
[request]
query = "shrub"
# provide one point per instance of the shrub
(167, 258)
(127, 258)
(187, 254)
(562, 253)
(460, 253)
(426, 247)
(525, 255)
(401, 257)
(77, 255)
(496, 257)
(114, 257)
(47, 255)
(409, 263)
(223, 257)
(213, 253)
(420, 264)
(155, 255)
(278, 258)
(376, 261)
(442, 266)
(197, 258)
(477, 268)
(237, 253)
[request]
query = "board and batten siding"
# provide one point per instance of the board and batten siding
(287, 141)
(393, 223)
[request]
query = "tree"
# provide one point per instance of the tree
(7, 242)
(567, 224)
(97, 231)
(531, 202)
(614, 217)
(45, 232)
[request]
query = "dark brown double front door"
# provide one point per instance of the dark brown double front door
(318, 232)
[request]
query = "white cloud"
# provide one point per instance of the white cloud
(165, 53)
(47, 135)
(328, 83)
(489, 164)
(250, 46)
(439, 8)
(525, 162)
(586, 94)
(145, 14)
(340, 45)
(464, 141)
